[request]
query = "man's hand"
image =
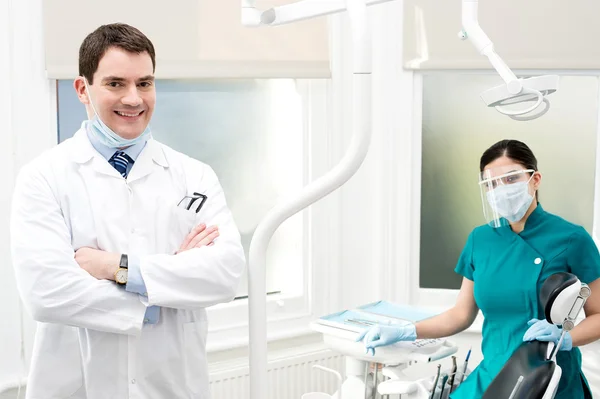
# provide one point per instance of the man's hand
(99, 264)
(199, 237)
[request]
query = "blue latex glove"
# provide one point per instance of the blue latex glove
(381, 335)
(541, 330)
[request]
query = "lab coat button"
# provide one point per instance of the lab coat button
(537, 261)
(133, 381)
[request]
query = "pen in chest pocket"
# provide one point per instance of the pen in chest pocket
(194, 202)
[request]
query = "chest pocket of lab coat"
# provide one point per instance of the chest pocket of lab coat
(172, 226)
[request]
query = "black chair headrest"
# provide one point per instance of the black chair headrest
(552, 287)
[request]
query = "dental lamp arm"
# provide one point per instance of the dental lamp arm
(484, 45)
(514, 90)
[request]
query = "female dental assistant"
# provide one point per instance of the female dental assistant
(504, 264)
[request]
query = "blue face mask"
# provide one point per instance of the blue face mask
(105, 135)
(511, 201)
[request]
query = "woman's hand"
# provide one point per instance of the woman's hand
(541, 330)
(381, 335)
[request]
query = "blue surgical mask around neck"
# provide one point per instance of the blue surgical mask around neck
(105, 135)
(511, 201)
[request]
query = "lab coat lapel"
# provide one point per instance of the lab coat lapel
(87, 156)
(152, 158)
(105, 191)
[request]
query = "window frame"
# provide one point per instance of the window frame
(433, 297)
(288, 315)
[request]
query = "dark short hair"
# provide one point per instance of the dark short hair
(119, 35)
(513, 149)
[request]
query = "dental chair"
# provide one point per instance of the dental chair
(532, 372)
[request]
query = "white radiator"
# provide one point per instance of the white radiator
(289, 377)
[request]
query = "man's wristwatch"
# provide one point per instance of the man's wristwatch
(121, 273)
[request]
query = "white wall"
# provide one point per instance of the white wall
(27, 115)
(373, 248)
(9, 311)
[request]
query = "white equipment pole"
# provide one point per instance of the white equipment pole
(341, 173)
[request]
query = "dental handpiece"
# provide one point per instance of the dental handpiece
(435, 382)
(444, 381)
(453, 375)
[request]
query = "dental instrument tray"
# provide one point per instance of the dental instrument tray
(340, 331)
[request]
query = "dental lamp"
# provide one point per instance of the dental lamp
(514, 90)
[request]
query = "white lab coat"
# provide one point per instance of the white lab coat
(91, 341)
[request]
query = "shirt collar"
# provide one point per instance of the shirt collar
(536, 217)
(533, 220)
(107, 152)
(84, 151)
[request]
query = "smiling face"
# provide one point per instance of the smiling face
(122, 92)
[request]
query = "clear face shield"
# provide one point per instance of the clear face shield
(505, 194)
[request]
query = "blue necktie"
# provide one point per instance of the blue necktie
(120, 161)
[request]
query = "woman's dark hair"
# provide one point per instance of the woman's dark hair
(513, 149)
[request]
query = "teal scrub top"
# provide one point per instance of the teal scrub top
(508, 270)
